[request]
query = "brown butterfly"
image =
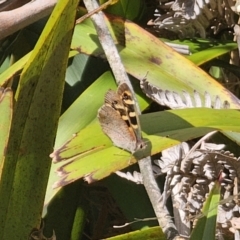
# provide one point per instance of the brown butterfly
(119, 119)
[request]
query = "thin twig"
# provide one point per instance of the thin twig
(107, 43)
(145, 165)
(135, 221)
(89, 14)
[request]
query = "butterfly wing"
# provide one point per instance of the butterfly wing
(113, 100)
(126, 97)
(116, 128)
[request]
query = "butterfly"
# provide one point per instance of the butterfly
(119, 119)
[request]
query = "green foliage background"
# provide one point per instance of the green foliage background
(35, 120)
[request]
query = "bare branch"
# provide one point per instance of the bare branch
(145, 165)
(14, 20)
(107, 43)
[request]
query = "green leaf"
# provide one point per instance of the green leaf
(32, 134)
(6, 108)
(128, 9)
(154, 233)
(14, 69)
(204, 50)
(84, 109)
(67, 212)
(17, 67)
(143, 53)
(206, 225)
(161, 130)
(211, 53)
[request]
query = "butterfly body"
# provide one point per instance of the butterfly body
(119, 120)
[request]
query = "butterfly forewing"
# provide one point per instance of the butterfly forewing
(127, 99)
(113, 100)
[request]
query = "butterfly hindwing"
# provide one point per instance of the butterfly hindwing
(116, 128)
